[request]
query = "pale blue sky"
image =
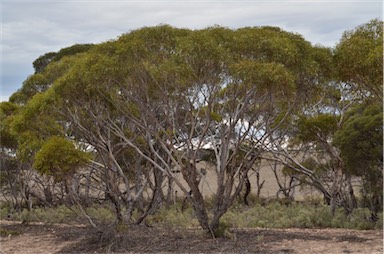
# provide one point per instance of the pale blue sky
(33, 28)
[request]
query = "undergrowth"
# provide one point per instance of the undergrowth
(59, 214)
(272, 214)
(275, 215)
(298, 215)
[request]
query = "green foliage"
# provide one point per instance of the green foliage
(359, 58)
(40, 63)
(60, 158)
(7, 112)
(33, 124)
(318, 128)
(7, 109)
(271, 77)
(271, 44)
(51, 67)
(43, 61)
(360, 139)
(34, 84)
(4, 211)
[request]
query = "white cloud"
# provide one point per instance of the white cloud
(33, 28)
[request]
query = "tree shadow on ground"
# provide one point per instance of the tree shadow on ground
(142, 239)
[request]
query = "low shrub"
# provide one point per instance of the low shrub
(173, 216)
(101, 214)
(4, 213)
(301, 215)
(223, 230)
(60, 214)
(360, 218)
(265, 214)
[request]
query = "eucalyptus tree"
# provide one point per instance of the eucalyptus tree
(148, 104)
(214, 88)
(29, 126)
(353, 78)
(361, 148)
(309, 154)
(310, 69)
(13, 189)
(358, 58)
(88, 115)
(32, 125)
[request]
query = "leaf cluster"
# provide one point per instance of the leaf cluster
(319, 128)
(59, 157)
(360, 139)
(359, 58)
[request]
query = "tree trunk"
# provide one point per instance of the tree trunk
(247, 189)
(258, 184)
(200, 209)
(192, 178)
(157, 196)
(352, 198)
(112, 192)
(138, 186)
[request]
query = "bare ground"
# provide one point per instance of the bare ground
(40, 238)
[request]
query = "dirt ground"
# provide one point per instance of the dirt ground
(40, 238)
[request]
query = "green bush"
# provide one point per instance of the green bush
(358, 219)
(25, 215)
(223, 230)
(379, 222)
(4, 212)
(322, 217)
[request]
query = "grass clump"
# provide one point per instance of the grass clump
(101, 214)
(6, 232)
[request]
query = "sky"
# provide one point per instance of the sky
(32, 28)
